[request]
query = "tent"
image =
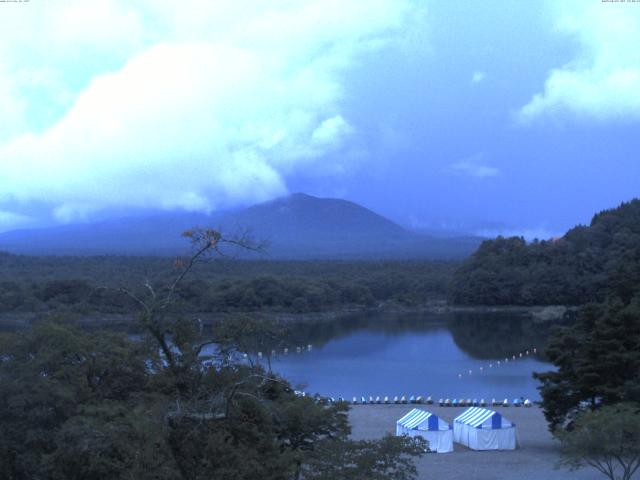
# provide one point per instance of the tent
(483, 429)
(418, 423)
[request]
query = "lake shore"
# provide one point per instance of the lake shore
(542, 313)
(534, 460)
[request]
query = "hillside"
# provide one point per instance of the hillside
(297, 226)
(586, 265)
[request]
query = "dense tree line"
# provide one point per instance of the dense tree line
(83, 285)
(588, 264)
(79, 405)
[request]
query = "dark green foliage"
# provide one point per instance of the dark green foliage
(387, 458)
(607, 439)
(89, 284)
(93, 406)
(597, 360)
(587, 265)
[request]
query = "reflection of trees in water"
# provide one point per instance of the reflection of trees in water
(319, 333)
(498, 335)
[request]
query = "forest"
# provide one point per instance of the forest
(588, 264)
(91, 284)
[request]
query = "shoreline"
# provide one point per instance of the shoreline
(540, 313)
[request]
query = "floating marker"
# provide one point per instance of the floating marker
(259, 354)
(534, 350)
(286, 350)
(459, 375)
(481, 368)
(470, 372)
(514, 357)
(491, 365)
(498, 362)
(309, 348)
(298, 349)
(527, 352)
(244, 355)
(520, 354)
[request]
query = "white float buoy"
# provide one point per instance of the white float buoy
(286, 351)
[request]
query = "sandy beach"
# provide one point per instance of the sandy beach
(534, 460)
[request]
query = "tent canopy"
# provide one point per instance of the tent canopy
(420, 420)
(418, 423)
(477, 417)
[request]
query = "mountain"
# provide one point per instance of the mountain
(297, 226)
(588, 264)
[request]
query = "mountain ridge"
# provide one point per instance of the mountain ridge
(298, 226)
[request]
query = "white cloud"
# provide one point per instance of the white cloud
(603, 81)
(10, 220)
(188, 105)
(478, 76)
(473, 167)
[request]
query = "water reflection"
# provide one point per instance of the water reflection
(453, 355)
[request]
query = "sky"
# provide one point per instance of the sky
(490, 117)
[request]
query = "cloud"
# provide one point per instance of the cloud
(478, 76)
(473, 167)
(204, 105)
(10, 220)
(603, 81)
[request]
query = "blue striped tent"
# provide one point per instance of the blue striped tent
(483, 429)
(429, 426)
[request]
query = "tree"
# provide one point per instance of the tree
(597, 360)
(607, 439)
(83, 405)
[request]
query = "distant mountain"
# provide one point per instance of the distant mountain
(297, 226)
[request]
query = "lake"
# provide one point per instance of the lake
(448, 356)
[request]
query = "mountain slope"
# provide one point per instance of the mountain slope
(586, 265)
(296, 226)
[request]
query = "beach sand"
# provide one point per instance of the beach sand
(534, 460)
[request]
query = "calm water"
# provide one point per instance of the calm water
(430, 355)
